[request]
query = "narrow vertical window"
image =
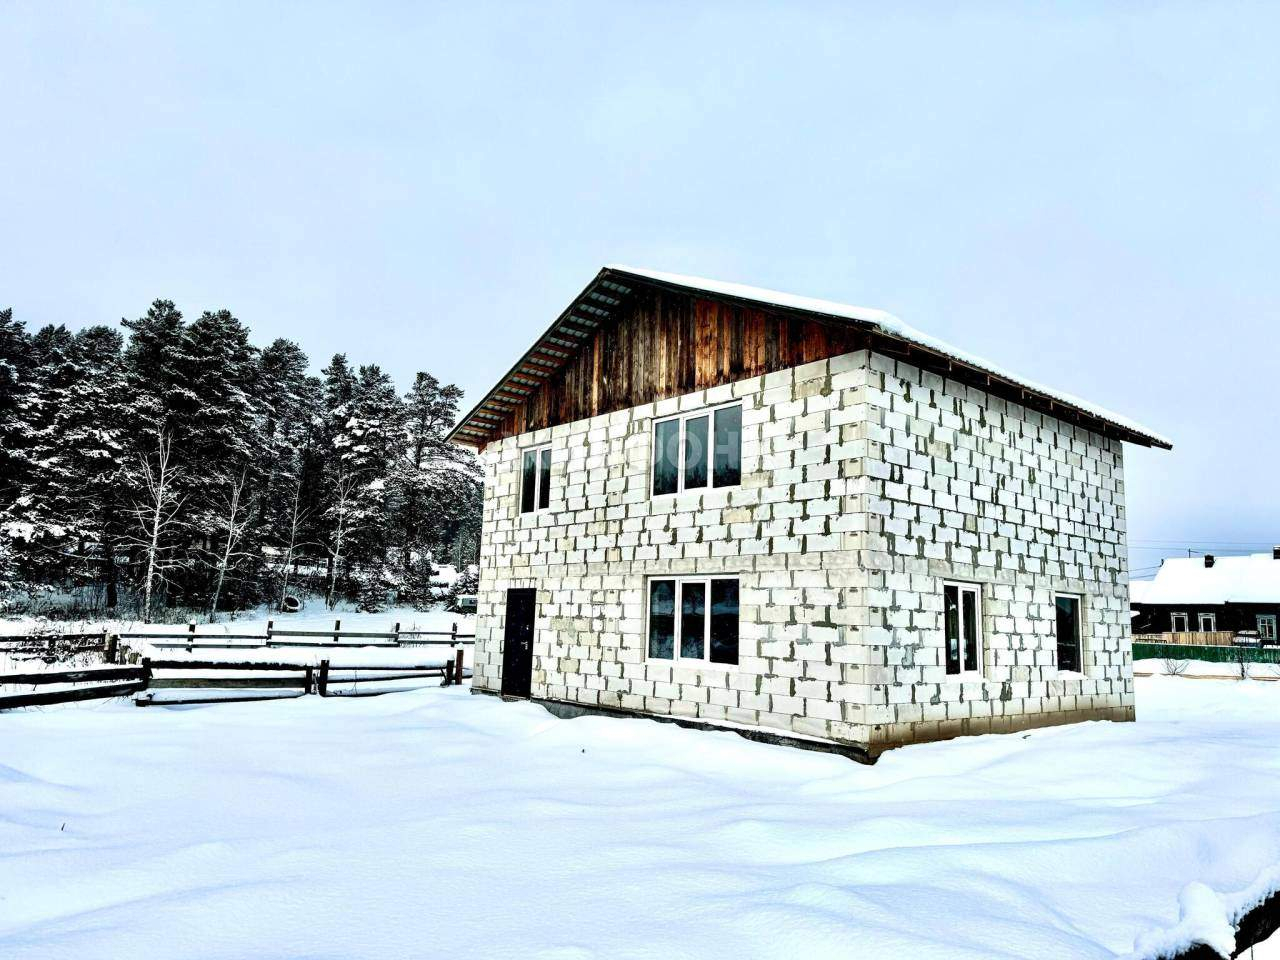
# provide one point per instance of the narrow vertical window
(1208, 622)
(962, 626)
(728, 447)
(693, 619)
(1178, 622)
(1266, 627)
(544, 479)
(1069, 658)
(529, 481)
(969, 619)
(724, 621)
(666, 456)
(535, 479)
(662, 619)
(695, 453)
(951, 606)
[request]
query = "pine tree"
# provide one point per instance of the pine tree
(15, 379)
(222, 446)
(39, 517)
(158, 372)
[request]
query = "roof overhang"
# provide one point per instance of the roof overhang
(603, 299)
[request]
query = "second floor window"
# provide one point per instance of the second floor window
(695, 451)
(535, 479)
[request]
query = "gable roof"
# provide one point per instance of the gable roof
(603, 298)
(1249, 579)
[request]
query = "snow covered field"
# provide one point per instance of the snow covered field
(440, 824)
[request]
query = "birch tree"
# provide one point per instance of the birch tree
(236, 518)
(297, 518)
(344, 514)
(156, 510)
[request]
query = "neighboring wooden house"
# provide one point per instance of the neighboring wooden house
(1223, 595)
(787, 516)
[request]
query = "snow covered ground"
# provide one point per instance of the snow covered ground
(440, 824)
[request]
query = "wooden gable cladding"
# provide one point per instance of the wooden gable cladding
(667, 343)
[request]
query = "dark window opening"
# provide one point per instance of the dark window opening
(1068, 633)
(662, 619)
(728, 448)
(962, 626)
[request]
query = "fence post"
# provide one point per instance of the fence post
(453, 633)
(270, 626)
(396, 631)
(457, 667)
(307, 682)
(337, 626)
(111, 645)
(191, 635)
(146, 672)
(322, 684)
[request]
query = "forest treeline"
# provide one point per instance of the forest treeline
(180, 466)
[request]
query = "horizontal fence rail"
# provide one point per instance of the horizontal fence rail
(137, 678)
(191, 640)
(297, 679)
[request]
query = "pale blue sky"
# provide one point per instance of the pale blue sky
(1089, 196)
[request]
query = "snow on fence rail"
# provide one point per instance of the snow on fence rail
(190, 640)
(300, 679)
(212, 675)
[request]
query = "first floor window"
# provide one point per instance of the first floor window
(695, 451)
(535, 480)
(1208, 622)
(1068, 633)
(963, 621)
(694, 619)
(1266, 627)
(1179, 622)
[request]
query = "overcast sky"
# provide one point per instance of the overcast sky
(1090, 197)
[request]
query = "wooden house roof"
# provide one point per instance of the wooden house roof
(605, 298)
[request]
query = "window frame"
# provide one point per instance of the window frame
(683, 417)
(1266, 618)
(980, 641)
(1080, 635)
(1173, 622)
(1211, 618)
(537, 450)
(705, 662)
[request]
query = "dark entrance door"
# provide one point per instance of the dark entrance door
(517, 643)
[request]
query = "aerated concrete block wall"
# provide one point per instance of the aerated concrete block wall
(865, 483)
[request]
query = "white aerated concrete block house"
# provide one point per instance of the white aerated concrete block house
(797, 519)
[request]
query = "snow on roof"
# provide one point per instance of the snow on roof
(1250, 579)
(891, 326)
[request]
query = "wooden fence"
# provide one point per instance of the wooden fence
(1189, 638)
(189, 640)
(282, 680)
(1143, 650)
